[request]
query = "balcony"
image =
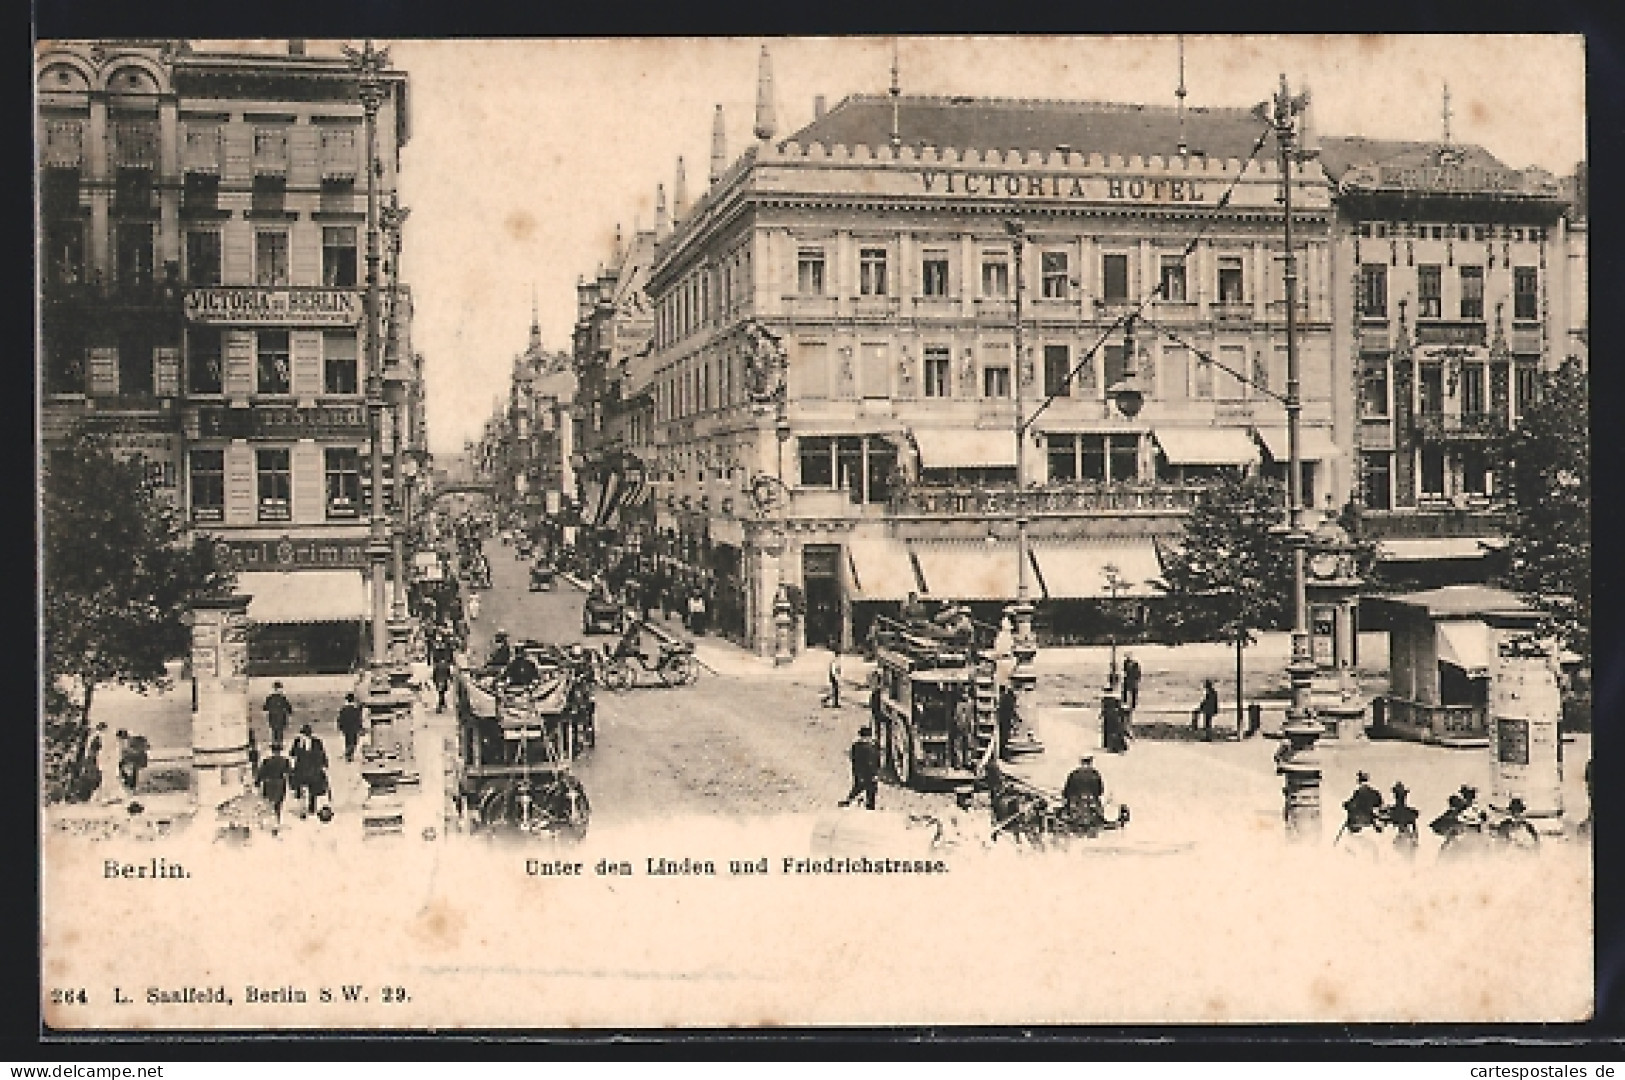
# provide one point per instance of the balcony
(1439, 524)
(1462, 427)
(1468, 333)
(921, 500)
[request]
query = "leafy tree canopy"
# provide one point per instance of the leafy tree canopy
(1231, 572)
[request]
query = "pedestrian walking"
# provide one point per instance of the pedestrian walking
(441, 677)
(1131, 682)
(1362, 816)
(832, 699)
(350, 725)
(865, 757)
(277, 713)
(309, 759)
(473, 608)
(1403, 816)
(132, 758)
(1113, 724)
(1206, 710)
(272, 778)
(696, 610)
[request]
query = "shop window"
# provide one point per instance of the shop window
(1231, 289)
(934, 274)
(338, 255)
(1429, 292)
(995, 274)
(339, 362)
(208, 485)
(1054, 268)
(1376, 479)
(996, 381)
(1472, 292)
(135, 362)
(204, 360)
(271, 257)
(343, 465)
(1374, 290)
(135, 259)
(810, 271)
(1525, 292)
(1057, 371)
(938, 371)
(203, 257)
(1114, 278)
(273, 369)
(1173, 279)
(872, 272)
(273, 474)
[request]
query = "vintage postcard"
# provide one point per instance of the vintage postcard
(683, 533)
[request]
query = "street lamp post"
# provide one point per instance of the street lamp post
(393, 218)
(783, 618)
(1114, 581)
(1296, 763)
(1021, 612)
(369, 64)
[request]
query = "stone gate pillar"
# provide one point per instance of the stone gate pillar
(220, 699)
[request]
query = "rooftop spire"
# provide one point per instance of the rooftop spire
(896, 90)
(1446, 112)
(679, 193)
(535, 321)
(1184, 147)
(766, 124)
(719, 146)
(662, 222)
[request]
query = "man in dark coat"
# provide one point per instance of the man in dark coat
(865, 769)
(309, 759)
(1403, 816)
(1084, 789)
(441, 676)
(350, 725)
(1131, 682)
(1207, 710)
(1113, 724)
(1362, 808)
(277, 713)
(272, 778)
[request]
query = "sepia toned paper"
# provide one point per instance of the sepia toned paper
(719, 882)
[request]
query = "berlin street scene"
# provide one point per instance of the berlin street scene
(737, 532)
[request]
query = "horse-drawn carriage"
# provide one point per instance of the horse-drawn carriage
(517, 745)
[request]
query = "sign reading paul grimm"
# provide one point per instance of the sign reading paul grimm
(289, 553)
(240, 305)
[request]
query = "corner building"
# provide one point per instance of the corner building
(203, 216)
(871, 251)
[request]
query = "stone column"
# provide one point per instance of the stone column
(220, 699)
(1525, 742)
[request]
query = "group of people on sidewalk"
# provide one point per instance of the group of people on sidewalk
(102, 757)
(303, 769)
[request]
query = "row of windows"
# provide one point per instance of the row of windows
(273, 484)
(695, 302)
(1055, 279)
(1430, 291)
(1440, 474)
(136, 366)
(1483, 390)
(1413, 230)
(134, 262)
(135, 193)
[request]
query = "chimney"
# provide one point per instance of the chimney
(662, 223)
(296, 46)
(719, 146)
(1308, 136)
(679, 194)
(818, 107)
(766, 125)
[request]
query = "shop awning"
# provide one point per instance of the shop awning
(976, 570)
(881, 570)
(1077, 571)
(1431, 548)
(1465, 643)
(1207, 446)
(305, 596)
(1314, 443)
(966, 448)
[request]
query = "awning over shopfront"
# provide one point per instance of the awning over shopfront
(966, 448)
(1432, 548)
(1465, 643)
(1314, 443)
(1077, 570)
(881, 570)
(305, 596)
(1207, 446)
(971, 570)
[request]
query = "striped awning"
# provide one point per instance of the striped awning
(1078, 570)
(305, 596)
(880, 569)
(974, 570)
(1314, 443)
(966, 448)
(1207, 446)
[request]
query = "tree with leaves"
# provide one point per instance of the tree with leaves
(1547, 463)
(119, 580)
(1230, 573)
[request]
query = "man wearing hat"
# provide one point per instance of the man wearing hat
(309, 759)
(865, 769)
(501, 653)
(1403, 816)
(1515, 829)
(350, 725)
(1363, 807)
(1084, 790)
(277, 713)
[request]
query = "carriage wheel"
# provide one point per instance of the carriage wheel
(902, 754)
(686, 670)
(620, 676)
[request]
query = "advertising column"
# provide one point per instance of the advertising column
(220, 699)
(1526, 746)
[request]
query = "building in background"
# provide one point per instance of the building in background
(203, 232)
(535, 469)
